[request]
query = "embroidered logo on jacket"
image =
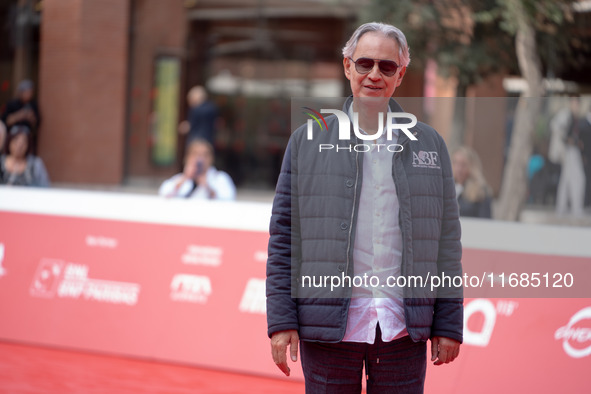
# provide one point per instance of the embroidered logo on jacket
(424, 159)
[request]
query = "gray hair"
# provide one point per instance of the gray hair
(387, 30)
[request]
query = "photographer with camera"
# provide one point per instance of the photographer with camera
(199, 179)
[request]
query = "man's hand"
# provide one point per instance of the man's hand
(279, 342)
(444, 350)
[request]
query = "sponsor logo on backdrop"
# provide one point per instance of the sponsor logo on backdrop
(576, 334)
(2, 269)
(254, 299)
(424, 159)
(203, 255)
(97, 241)
(47, 278)
(190, 288)
(55, 278)
(489, 311)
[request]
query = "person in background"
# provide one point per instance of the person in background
(199, 179)
(537, 176)
(24, 111)
(571, 185)
(535, 164)
(203, 116)
(19, 167)
(585, 137)
(472, 191)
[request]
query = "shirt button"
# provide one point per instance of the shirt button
(344, 226)
(341, 267)
(349, 183)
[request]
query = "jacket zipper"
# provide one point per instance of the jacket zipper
(352, 211)
(396, 184)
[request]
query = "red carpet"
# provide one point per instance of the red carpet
(29, 369)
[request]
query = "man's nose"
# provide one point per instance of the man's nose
(375, 73)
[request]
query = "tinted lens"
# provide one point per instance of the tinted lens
(388, 67)
(364, 65)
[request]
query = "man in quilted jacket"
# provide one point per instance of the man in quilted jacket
(361, 227)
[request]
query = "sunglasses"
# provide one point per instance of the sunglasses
(363, 65)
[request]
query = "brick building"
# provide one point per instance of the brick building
(112, 77)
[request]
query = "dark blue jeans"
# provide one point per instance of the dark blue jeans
(398, 366)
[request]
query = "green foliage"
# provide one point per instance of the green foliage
(541, 14)
(473, 38)
(447, 31)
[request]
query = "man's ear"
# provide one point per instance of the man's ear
(401, 75)
(347, 67)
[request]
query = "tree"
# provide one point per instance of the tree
(524, 17)
(514, 186)
(473, 38)
(447, 32)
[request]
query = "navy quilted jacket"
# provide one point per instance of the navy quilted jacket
(312, 233)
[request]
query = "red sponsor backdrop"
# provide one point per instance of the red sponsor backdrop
(195, 295)
(206, 327)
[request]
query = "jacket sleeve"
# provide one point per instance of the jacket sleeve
(282, 251)
(448, 314)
